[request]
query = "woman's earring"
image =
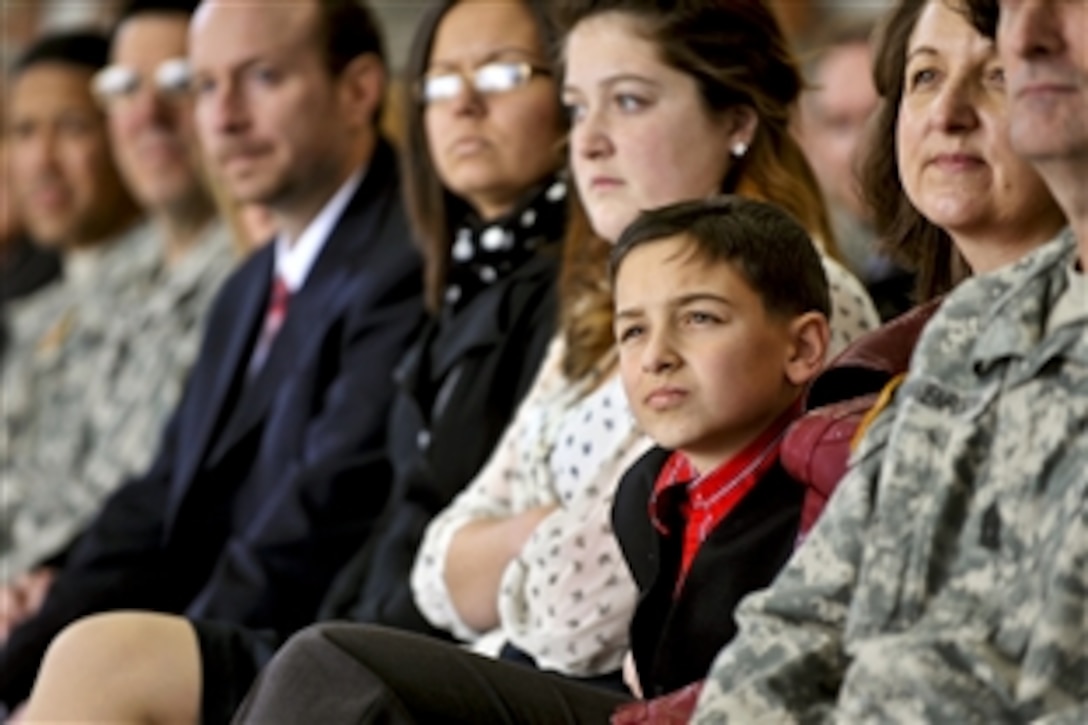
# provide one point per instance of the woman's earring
(739, 149)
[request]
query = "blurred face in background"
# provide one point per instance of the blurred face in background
(144, 91)
(834, 115)
(491, 107)
(9, 216)
(275, 123)
(65, 184)
(641, 135)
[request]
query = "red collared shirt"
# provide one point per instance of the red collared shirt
(710, 498)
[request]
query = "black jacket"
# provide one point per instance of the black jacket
(457, 389)
(249, 510)
(675, 638)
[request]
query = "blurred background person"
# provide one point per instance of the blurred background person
(485, 192)
(22, 22)
(71, 198)
(24, 266)
(248, 510)
(835, 108)
(95, 417)
(66, 189)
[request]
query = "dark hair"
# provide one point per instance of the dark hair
(911, 238)
(346, 30)
(85, 49)
(737, 53)
(184, 9)
(763, 243)
(983, 15)
(133, 8)
(434, 210)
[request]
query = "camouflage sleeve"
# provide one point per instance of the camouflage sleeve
(787, 661)
(1075, 715)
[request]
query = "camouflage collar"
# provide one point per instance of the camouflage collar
(1014, 325)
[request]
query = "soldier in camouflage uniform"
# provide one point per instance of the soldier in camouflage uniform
(86, 410)
(948, 579)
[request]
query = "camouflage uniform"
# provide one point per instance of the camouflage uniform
(85, 408)
(948, 579)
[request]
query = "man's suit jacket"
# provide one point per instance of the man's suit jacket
(457, 387)
(248, 510)
(675, 635)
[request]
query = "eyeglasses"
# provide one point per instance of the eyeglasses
(495, 77)
(171, 79)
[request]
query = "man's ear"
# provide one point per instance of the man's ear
(362, 88)
(809, 336)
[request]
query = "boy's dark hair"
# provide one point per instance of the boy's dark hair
(86, 49)
(766, 245)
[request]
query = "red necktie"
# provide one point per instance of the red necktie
(273, 321)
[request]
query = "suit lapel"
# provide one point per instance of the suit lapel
(325, 293)
(230, 368)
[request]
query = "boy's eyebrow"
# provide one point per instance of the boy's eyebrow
(681, 301)
(700, 297)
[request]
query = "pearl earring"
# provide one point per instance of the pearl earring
(739, 149)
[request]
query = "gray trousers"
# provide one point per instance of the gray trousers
(348, 673)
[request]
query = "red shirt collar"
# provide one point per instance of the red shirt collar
(708, 499)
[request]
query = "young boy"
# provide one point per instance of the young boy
(721, 321)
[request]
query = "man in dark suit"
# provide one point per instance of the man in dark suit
(248, 510)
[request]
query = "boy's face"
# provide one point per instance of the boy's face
(703, 364)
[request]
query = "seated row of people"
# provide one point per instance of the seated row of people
(580, 375)
(96, 361)
(965, 621)
(291, 386)
(946, 581)
(720, 320)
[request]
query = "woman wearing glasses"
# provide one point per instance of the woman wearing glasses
(482, 152)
